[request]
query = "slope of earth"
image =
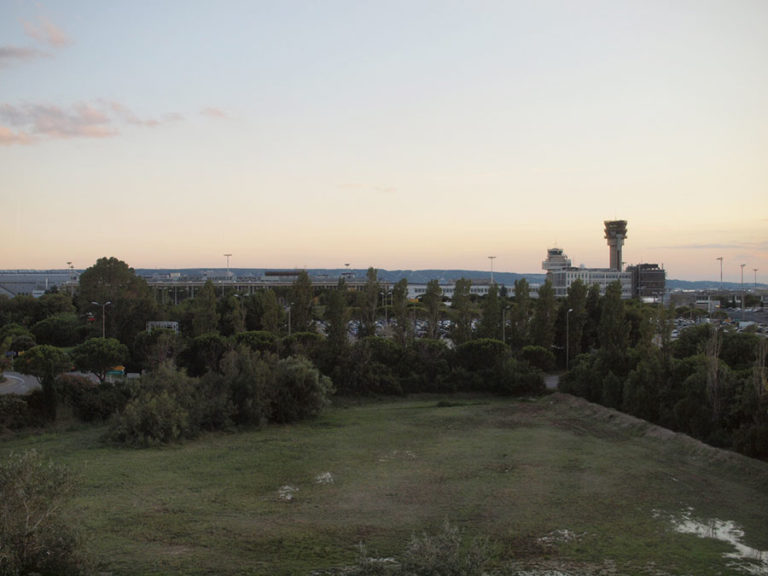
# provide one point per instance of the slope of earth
(558, 486)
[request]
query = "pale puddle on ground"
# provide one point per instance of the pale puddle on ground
(747, 560)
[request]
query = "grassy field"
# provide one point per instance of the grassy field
(555, 484)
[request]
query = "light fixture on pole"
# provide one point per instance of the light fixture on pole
(491, 258)
(568, 337)
(721, 272)
(228, 255)
(755, 271)
(742, 291)
(103, 317)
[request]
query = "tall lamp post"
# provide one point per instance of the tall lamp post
(721, 272)
(491, 258)
(742, 292)
(103, 317)
(568, 338)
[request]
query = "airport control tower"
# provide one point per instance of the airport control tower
(615, 233)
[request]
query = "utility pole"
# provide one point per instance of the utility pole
(491, 258)
(742, 292)
(103, 317)
(228, 255)
(721, 272)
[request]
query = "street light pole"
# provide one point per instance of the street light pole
(568, 338)
(721, 272)
(103, 317)
(491, 258)
(742, 292)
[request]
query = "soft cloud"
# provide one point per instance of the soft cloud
(81, 120)
(85, 120)
(127, 116)
(47, 32)
(214, 112)
(8, 136)
(16, 54)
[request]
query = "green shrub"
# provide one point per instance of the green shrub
(34, 538)
(164, 411)
(539, 357)
(92, 402)
(299, 390)
(442, 555)
(152, 419)
(15, 413)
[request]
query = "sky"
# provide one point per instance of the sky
(398, 134)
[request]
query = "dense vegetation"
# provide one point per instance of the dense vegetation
(241, 362)
(237, 355)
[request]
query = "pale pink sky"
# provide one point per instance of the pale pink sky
(400, 134)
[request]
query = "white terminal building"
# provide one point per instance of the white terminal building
(643, 280)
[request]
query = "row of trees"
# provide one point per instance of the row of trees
(709, 383)
(378, 341)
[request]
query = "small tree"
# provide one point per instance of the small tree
(433, 300)
(34, 538)
(99, 355)
(45, 362)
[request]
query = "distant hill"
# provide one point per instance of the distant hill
(26, 281)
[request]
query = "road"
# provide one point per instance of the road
(16, 383)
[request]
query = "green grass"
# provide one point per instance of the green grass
(514, 471)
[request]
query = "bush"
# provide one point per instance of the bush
(539, 357)
(299, 390)
(442, 554)
(516, 378)
(15, 413)
(152, 419)
(91, 402)
(163, 412)
(34, 539)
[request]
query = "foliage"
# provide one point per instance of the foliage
(92, 402)
(433, 300)
(490, 322)
(204, 353)
(46, 363)
(205, 318)
(232, 315)
(35, 538)
(441, 554)
(308, 344)
(539, 357)
(300, 302)
(99, 355)
(461, 307)
(151, 349)
(262, 311)
(545, 315)
(161, 413)
(58, 330)
(480, 354)
(403, 327)
(428, 364)
(257, 340)
(299, 391)
(132, 302)
(368, 301)
(15, 412)
(513, 377)
(21, 338)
